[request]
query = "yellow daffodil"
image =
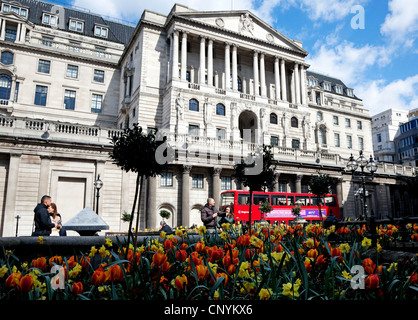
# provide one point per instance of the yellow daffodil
(202, 230)
(247, 287)
(213, 267)
(103, 252)
(347, 275)
(75, 271)
(3, 271)
(162, 234)
(93, 251)
(243, 270)
(345, 248)
(223, 235)
(290, 290)
(216, 295)
(226, 226)
(265, 294)
(366, 242)
(108, 242)
(40, 240)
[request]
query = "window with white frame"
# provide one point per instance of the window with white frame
(349, 142)
(335, 120)
(69, 99)
(220, 133)
(22, 12)
(339, 89)
(100, 31)
(226, 183)
(337, 139)
(98, 76)
(50, 19)
(72, 71)
(360, 143)
(76, 25)
(166, 179)
(197, 181)
(96, 103)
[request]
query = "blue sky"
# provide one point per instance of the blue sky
(378, 61)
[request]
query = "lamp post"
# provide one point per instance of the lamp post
(98, 184)
(371, 166)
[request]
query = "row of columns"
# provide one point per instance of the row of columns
(20, 31)
(298, 78)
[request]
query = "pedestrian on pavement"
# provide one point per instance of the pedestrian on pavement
(210, 214)
(42, 218)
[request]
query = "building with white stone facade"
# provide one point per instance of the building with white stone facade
(218, 84)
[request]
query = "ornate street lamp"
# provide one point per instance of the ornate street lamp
(370, 166)
(98, 184)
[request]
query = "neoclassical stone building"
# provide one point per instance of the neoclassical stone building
(217, 84)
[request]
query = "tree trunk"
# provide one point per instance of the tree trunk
(137, 213)
(132, 214)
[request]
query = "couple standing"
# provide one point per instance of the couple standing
(47, 220)
(209, 215)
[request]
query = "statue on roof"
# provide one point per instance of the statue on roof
(246, 24)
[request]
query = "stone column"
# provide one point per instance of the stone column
(184, 56)
(234, 68)
(44, 176)
(292, 87)
(3, 30)
(152, 214)
(210, 62)
(283, 80)
(262, 75)
(276, 184)
(175, 56)
(19, 26)
(9, 226)
(255, 73)
(297, 83)
(303, 83)
(202, 65)
(277, 77)
(185, 196)
(216, 183)
(298, 183)
(340, 196)
(227, 83)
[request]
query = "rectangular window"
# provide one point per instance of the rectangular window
(220, 133)
(226, 183)
(96, 103)
(166, 179)
(76, 25)
(49, 19)
(47, 41)
(337, 139)
(359, 125)
(197, 181)
(274, 141)
(335, 119)
(69, 99)
(193, 130)
(100, 31)
(295, 143)
(349, 142)
(10, 35)
(100, 52)
(98, 76)
(72, 71)
(360, 143)
(41, 95)
(348, 123)
(379, 137)
(44, 66)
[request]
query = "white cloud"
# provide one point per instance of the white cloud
(378, 95)
(401, 24)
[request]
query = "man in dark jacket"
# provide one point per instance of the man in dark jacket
(43, 223)
(210, 214)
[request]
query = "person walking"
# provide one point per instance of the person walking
(210, 214)
(42, 218)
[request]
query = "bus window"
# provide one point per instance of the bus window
(315, 202)
(243, 199)
(227, 199)
(278, 200)
(290, 200)
(302, 200)
(258, 199)
(330, 202)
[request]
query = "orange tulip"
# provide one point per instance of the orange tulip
(99, 277)
(414, 279)
(231, 269)
(39, 263)
(414, 237)
(218, 275)
(202, 271)
(26, 283)
(55, 260)
(199, 246)
(322, 261)
(180, 282)
(115, 273)
(313, 253)
(372, 281)
(217, 254)
(244, 240)
(77, 288)
(369, 266)
(158, 259)
(13, 280)
(168, 244)
(195, 257)
(181, 255)
(308, 265)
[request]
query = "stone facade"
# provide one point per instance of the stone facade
(218, 84)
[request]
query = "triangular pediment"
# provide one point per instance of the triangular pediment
(243, 23)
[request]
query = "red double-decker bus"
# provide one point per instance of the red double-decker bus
(282, 203)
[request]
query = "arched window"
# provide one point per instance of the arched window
(220, 109)
(7, 58)
(273, 118)
(193, 105)
(294, 123)
(5, 86)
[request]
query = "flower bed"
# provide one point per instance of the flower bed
(274, 262)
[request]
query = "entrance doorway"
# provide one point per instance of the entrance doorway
(247, 123)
